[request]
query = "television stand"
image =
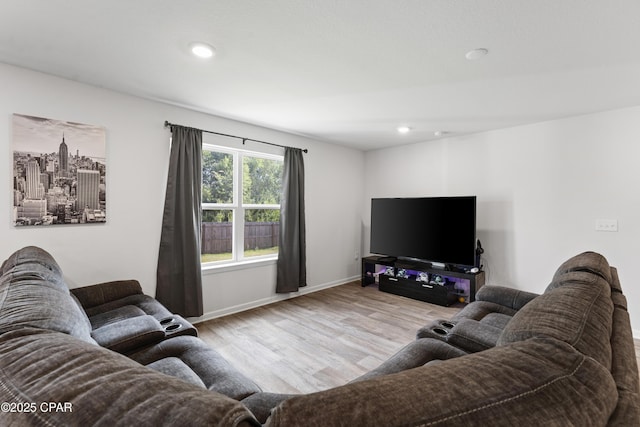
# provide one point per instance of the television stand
(419, 280)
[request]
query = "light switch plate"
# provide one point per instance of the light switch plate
(606, 225)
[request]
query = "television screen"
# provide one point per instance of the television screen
(433, 229)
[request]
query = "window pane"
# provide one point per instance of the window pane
(261, 180)
(217, 235)
(217, 177)
(261, 230)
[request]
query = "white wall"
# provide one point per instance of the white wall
(137, 158)
(540, 190)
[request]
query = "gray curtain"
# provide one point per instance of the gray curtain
(179, 275)
(292, 253)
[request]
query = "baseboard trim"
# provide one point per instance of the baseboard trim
(270, 300)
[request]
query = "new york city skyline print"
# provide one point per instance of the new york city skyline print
(59, 172)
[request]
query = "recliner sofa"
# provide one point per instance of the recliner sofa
(478, 326)
(565, 357)
(111, 354)
(125, 320)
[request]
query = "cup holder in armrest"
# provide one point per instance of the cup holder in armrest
(176, 325)
(173, 327)
(167, 321)
(440, 329)
(443, 327)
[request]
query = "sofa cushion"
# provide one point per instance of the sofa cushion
(101, 293)
(138, 303)
(175, 367)
(98, 387)
(215, 372)
(497, 320)
(129, 334)
(116, 315)
(541, 381)
(34, 294)
(578, 313)
(480, 309)
(504, 296)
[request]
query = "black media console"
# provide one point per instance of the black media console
(421, 281)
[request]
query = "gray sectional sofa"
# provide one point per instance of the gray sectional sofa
(109, 355)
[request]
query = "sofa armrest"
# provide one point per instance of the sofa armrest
(508, 297)
(472, 335)
(101, 293)
(129, 334)
(416, 353)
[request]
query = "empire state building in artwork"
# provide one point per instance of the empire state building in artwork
(63, 158)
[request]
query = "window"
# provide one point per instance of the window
(240, 204)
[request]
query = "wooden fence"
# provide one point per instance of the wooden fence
(217, 237)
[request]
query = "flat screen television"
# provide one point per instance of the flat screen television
(432, 229)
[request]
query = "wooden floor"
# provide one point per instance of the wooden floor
(323, 339)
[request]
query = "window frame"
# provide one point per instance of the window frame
(238, 207)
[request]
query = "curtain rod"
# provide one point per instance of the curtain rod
(168, 124)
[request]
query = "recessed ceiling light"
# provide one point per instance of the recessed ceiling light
(403, 129)
(202, 50)
(476, 54)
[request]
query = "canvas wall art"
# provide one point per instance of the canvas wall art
(59, 172)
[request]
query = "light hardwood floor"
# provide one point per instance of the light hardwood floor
(323, 339)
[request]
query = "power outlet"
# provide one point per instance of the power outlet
(356, 255)
(607, 225)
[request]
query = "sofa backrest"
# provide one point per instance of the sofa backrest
(584, 267)
(538, 382)
(576, 308)
(34, 294)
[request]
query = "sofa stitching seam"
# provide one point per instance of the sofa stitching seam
(500, 402)
(584, 320)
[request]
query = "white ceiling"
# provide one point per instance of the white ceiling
(347, 71)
